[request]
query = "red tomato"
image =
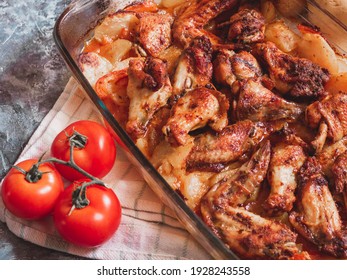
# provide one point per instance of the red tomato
(31, 200)
(92, 225)
(96, 155)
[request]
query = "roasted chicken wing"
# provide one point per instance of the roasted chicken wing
(293, 76)
(154, 32)
(339, 172)
(194, 16)
(329, 154)
(194, 67)
(149, 89)
(331, 112)
(316, 216)
(196, 109)
(257, 103)
(212, 152)
(230, 66)
(247, 26)
(286, 160)
(236, 189)
(246, 233)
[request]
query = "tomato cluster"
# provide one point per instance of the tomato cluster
(86, 213)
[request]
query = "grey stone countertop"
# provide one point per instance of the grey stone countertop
(32, 76)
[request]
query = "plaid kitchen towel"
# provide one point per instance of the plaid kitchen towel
(148, 230)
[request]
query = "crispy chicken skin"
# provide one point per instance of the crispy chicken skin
(196, 109)
(236, 189)
(339, 172)
(329, 154)
(293, 76)
(194, 67)
(149, 89)
(154, 32)
(222, 68)
(257, 103)
(247, 26)
(246, 233)
(230, 66)
(316, 216)
(211, 152)
(193, 17)
(332, 112)
(286, 160)
(254, 237)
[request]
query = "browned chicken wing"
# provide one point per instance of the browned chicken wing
(191, 21)
(93, 66)
(237, 188)
(254, 237)
(258, 103)
(246, 233)
(230, 66)
(196, 109)
(286, 160)
(247, 26)
(194, 67)
(331, 112)
(154, 32)
(212, 152)
(316, 216)
(329, 154)
(293, 76)
(339, 171)
(149, 89)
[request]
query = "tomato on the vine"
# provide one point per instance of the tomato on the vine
(94, 149)
(30, 191)
(87, 216)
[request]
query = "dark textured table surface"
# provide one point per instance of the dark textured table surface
(32, 75)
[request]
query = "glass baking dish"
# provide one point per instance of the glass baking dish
(70, 32)
(74, 27)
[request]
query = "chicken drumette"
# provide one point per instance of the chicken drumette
(149, 89)
(246, 27)
(286, 160)
(316, 216)
(196, 109)
(330, 115)
(293, 76)
(257, 103)
(194, 67)
(230, 66)
(193, 17)
(154, 32)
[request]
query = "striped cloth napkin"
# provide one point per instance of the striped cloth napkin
(148, 230)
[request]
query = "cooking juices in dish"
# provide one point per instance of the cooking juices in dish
(236, 110)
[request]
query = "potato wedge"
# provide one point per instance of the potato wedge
(121, 24)
(314, 47)
(280, 34)
(337, 83)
